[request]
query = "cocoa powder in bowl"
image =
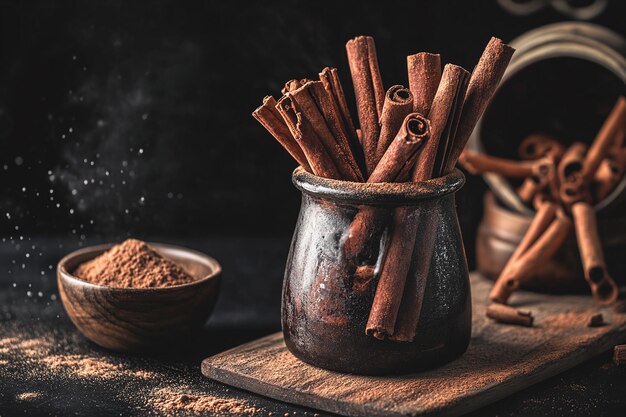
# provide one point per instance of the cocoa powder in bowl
(133, 264)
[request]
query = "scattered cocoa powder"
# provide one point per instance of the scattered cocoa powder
(170, 401)
(135, 264)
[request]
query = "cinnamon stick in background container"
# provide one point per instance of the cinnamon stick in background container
(538, 145)
(505, 284)
(607, 135)
(602, 286)
(369, 93)
(609, 174)
(477, 163)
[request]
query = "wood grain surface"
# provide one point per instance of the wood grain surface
(501, 360)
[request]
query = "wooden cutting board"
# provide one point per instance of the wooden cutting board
(501, 360)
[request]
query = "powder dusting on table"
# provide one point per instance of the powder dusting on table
(170, 401)
(135, 264)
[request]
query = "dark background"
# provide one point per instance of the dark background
(120, 118)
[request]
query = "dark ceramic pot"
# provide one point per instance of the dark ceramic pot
(324, 313)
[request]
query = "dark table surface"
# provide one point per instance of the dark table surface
(34, 326)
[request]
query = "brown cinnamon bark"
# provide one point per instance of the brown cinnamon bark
(602, 286)
(304, 101)
(572, 185)
(504, 287)
(543, 175)
(382, 319)
(424, 71)
(541, 251)
(403, 150)
(605, 139)
(330, 79)
(509, 315)
(331, 114)
(477, 163)
(539, 145)
(419, 247)
(482, 84)
(293, 85)
(609, 174)
(441, 115)
(273, 122)
(398, 103)
(320, 162)
(414, 132)
(368, 91)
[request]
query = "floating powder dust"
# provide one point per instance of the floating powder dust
(27, 396)
(132, 263)
(170, 401)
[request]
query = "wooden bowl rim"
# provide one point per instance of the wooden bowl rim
(216, 269)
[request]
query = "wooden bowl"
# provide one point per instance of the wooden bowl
(133, 319)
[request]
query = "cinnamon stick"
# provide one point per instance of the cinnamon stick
(304, 101)
(398, 103)
(382, 318)
(602, 286)
(503, 287)
(441, 115)
(273, 122)
(572, 185)
(605, 139)
(539, 145)
(444, 112)
(424, 71)
(330, 112)
(482, 84)
(330, 79)
(477, 163)
(303, 133)
(415, 130)
(543, 175)
(368, 91)
(609, 174)
(541, 251)
(418, 251)
(510, 315)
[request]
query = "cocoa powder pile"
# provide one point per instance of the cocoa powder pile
(135, 264)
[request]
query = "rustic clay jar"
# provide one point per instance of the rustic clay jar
(324, 314)
(502, 229)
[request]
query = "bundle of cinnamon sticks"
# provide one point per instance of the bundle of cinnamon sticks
(403, 134)
(562, 184)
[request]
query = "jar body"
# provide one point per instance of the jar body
(325, 306)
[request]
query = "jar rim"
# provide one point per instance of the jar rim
(383, 193)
